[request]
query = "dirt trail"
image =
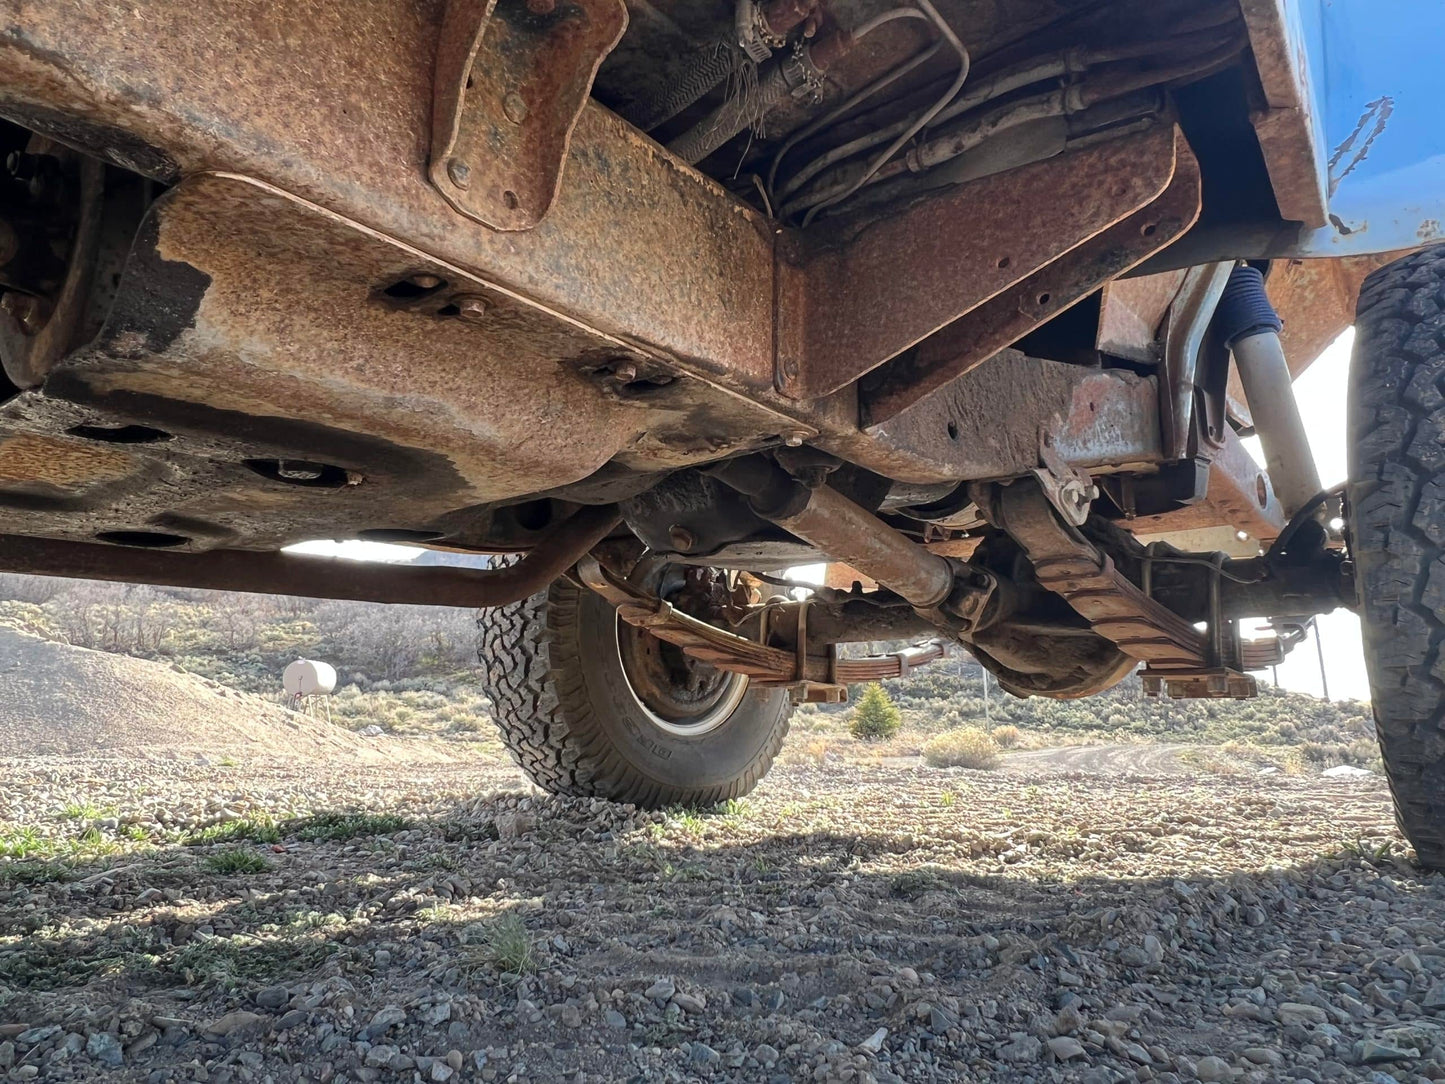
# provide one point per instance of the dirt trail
(1109, 759)
(58, 700)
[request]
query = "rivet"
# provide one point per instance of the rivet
(515, 107)
(426, 282)
(794, 438)
(459, 173)
(471, 309)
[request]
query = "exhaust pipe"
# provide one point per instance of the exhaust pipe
(843, 530)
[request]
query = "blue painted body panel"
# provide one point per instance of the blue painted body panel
(1376, 74)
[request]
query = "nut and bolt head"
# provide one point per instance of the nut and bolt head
(459, 173)
(794, 438)
(681, 538)
(471, 308)
(624, 373)
(515, 107)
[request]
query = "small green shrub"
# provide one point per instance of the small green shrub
(966, 747)
(875, 718)
(1007, 736)
(507, 946)
(236, 860)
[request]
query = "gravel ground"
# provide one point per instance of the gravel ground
(191, 922)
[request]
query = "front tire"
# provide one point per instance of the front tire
(1397, 530)
(581, 721)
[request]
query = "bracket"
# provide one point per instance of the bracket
(512, 77)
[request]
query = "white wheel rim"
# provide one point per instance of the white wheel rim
(695, 726)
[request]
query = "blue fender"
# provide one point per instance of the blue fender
(1376, 78)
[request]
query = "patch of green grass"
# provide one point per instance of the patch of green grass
(22, 842)
(236, 860)
(733, 807)
(86, 811)
(32, 872)
(687, 871)
(689, 820)
(946, 799)
(334, 827)
(507, 946)
(256, 827)
(248, 958)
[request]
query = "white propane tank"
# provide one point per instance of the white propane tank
(306, 677)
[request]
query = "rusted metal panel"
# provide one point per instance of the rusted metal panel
(1131, 311)
(1290, 134)
(1014, 313)
(252, 328)
(988, 423)
(636, 245)
(511, 80)
(877, 291)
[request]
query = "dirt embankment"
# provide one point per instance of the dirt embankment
(57, 700)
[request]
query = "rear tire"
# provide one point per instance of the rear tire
(1397, 530)
(570, 716)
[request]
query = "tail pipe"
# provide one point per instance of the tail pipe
(1250, 327)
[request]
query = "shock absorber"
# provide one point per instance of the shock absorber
(1250, 327)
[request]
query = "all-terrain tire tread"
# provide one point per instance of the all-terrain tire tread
(531, 669)
(1397, 530)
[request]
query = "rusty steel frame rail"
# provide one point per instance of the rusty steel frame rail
(319, 577)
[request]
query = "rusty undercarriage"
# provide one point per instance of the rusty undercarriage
(927, 291)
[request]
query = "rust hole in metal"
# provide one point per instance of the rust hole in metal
(1003, 262)
(397, 534)
(952, 430)
(1261, 490)
(120, 434)
(1148, 229)
(299, 472)
(1044, 298)
(510, 199)
(144, 539)
(414, 287)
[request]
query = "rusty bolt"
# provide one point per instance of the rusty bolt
(471, 308)
(515, 107)
(794, 438)
(426, 282)
(459, 173)
(26, 311)
(624, 373)
(681, 538)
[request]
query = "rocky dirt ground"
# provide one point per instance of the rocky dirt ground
(277, 921)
